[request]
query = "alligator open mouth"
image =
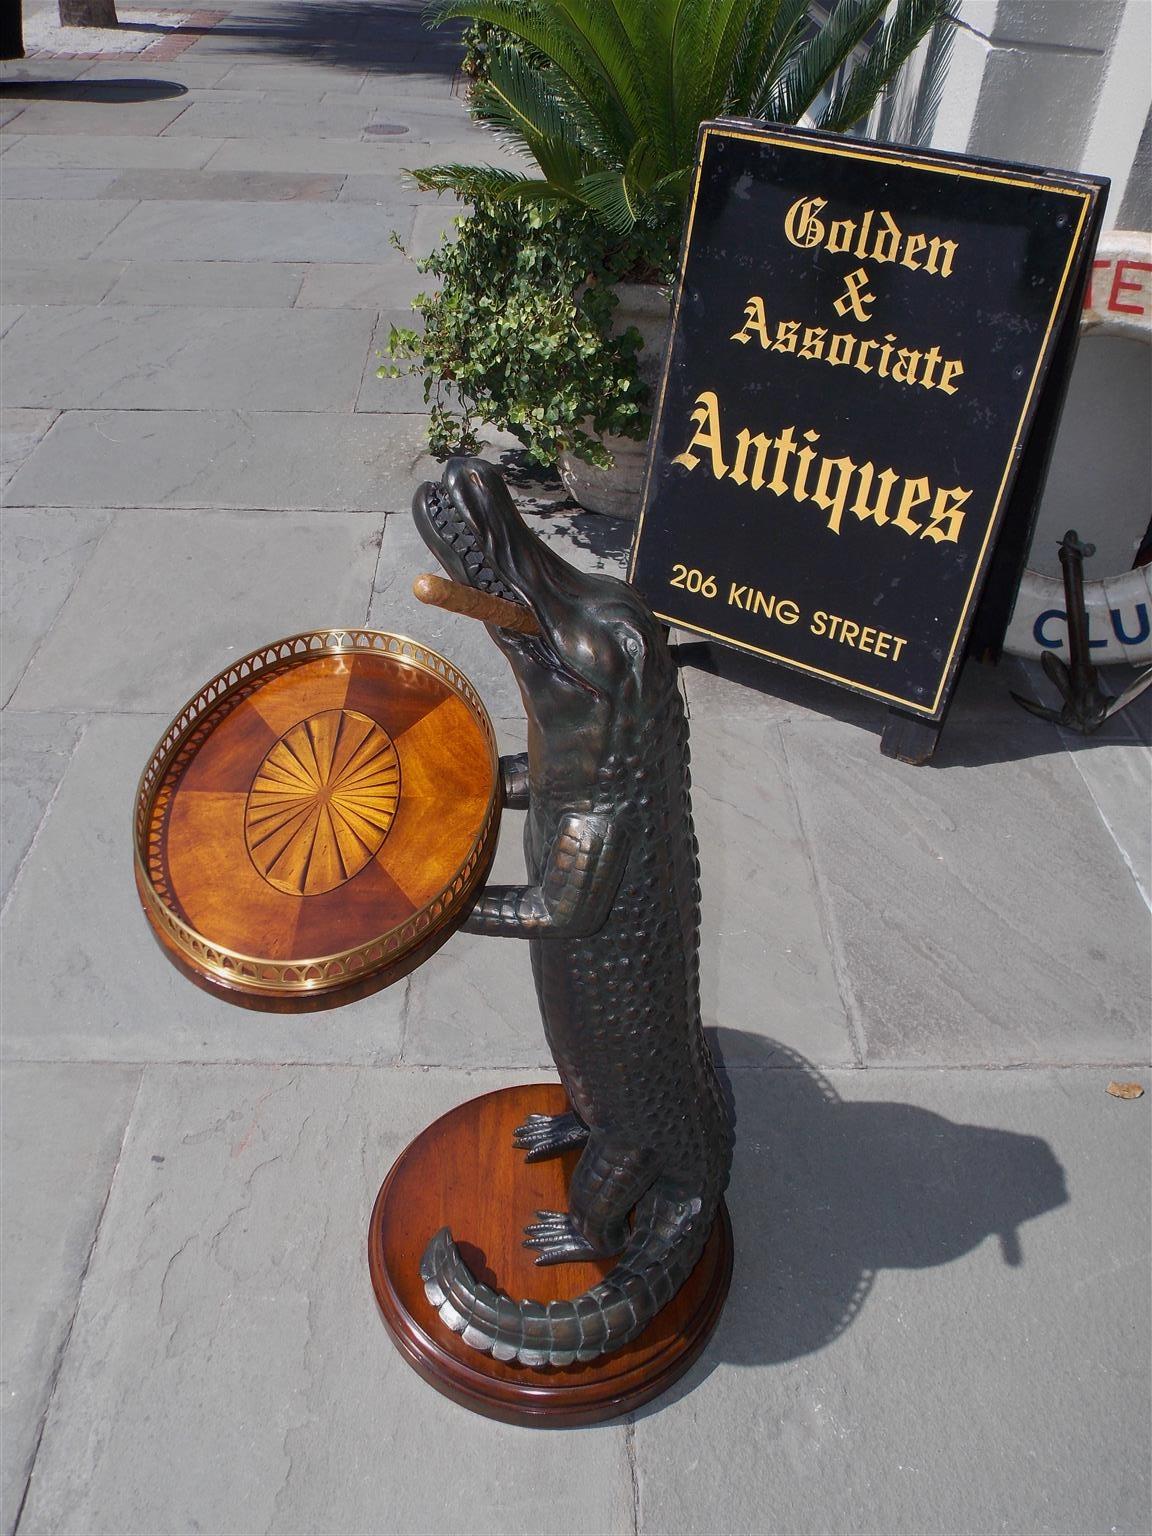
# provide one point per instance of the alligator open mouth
(455, 531)
(447, 528)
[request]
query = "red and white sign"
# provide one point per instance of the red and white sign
(1118, 303)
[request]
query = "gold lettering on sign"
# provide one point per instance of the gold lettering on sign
(792, 465)
(854, 298)
(707, 419)
(926, 369)
(877, 237)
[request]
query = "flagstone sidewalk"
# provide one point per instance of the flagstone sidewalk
(919, 981)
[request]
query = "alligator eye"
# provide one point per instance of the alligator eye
(475, 478)
(632, 646)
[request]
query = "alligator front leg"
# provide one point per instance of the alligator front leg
(514, 781)
(581, 875)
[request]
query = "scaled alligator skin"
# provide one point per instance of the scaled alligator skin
(612, 918)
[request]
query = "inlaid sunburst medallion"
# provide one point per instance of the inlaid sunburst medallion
(322, 802)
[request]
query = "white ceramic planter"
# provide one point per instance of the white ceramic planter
(616, 491)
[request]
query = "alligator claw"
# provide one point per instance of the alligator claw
(555, 1239)
(544, 1135)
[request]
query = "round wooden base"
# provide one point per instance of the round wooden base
(464, 1173)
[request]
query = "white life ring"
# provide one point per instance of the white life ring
(1118, 303)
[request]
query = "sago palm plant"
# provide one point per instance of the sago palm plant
(607, 95)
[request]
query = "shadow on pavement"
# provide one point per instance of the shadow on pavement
(94, 90)
(344, 35)
(825, 1194)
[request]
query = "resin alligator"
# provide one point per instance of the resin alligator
(612, 917)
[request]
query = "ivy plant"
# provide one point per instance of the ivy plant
(518, 333)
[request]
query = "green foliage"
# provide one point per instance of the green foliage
(607, 95)
(519, 334)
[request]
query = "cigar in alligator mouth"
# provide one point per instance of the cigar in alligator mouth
(485, 606)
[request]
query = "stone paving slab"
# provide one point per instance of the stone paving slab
(84, 979)
(227, 186)
(187, 69)
(937, 1315)
(386, 189)
(358, 285)
(26, 181)
(766, 967)
(101, 151)
(1118, 775)
(206, 231)
(446, 104)
(335, 155)
(20, 431)
(429, 227)
(475, 1006)
(34, 752)
(205, 587)
(980, 914)
(227, 459)
(246, 116)
(43, 554)
(399, 396)
(197, 359)
(228, 1323)
(63, 1127)
(431, 86)
(304, 80)
(42, 69)
(220, 284)
(40, 231)
(114, 117)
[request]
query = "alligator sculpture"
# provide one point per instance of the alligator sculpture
(611, 914)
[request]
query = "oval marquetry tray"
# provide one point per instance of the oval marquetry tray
(315, 822)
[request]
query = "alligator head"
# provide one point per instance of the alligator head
(598, 649)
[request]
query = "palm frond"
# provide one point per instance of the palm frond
(608, 196)
(544, 27)
(911, 22)
(753, 56)
(916, 124)
(607, 96)
(517, 99)
(532, 190)
(469, 182)
(817, 60)
(784, 44)
(606, 41)
(609, 140)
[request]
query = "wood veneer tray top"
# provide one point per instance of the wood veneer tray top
(318, 818)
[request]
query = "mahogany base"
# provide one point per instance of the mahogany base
(464, 1173)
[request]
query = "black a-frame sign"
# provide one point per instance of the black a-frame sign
(870, 350)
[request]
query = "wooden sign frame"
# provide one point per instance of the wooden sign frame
(816, 222)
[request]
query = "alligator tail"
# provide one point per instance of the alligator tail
(605, 1317)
